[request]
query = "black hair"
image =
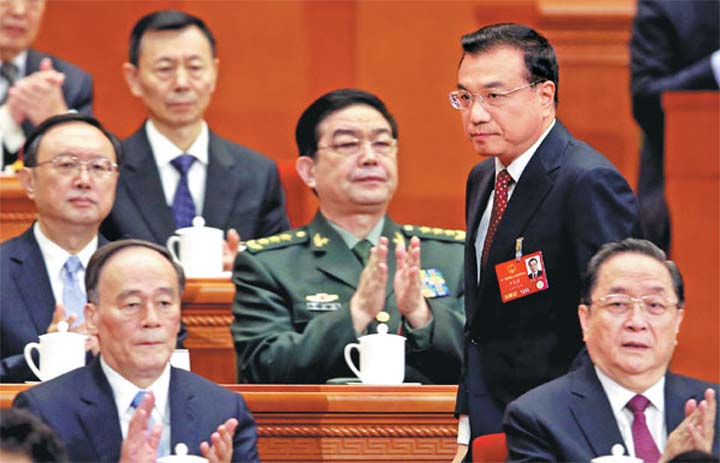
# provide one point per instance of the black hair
(32, 143)
(165, 20)
(540, 60)
(23, 433)
(306, 134)
(629, 246)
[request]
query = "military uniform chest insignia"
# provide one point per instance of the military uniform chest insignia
(398, 238)
(319, 240)
(433, 283)
(322, 302)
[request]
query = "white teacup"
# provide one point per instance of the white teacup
(201, 249)
(180, 358)
(382, 358)
(60, 352)
(617, 456)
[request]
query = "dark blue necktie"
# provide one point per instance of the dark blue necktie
(183, 206)
(8, 71)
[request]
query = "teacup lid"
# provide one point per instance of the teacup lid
(198, 224)
(617, 456)
(181, 456)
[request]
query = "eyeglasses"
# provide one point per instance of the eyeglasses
(462, 99)
(353, 146)
(69, 165)
(620, 304)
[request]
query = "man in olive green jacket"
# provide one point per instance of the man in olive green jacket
(302, 295)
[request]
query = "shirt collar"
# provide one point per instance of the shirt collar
(55, 256)
(517, 166)
(619, 396)
(165, 151)
(124, 391)
(351, 240)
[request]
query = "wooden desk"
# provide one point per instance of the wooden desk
(345, 423)
(17, 211)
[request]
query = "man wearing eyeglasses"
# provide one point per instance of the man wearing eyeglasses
(544, 195)
(631, 309)
(70, 173)
(33, 85)
(303, 295)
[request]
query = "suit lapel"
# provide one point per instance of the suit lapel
(32, 62)
(32, 280)
(96, 394)
(221, 183)
(333, 256)
(592, 411)
(143, 183)
(183, 413)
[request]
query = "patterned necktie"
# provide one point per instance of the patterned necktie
(362, 251)
(183, 206)
(73, 296)
(645, 447)
(9, 72)
(502, 183)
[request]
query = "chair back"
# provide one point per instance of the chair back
(489, 448)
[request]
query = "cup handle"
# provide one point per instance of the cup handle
(171, 242)
(28, 358)
(348, 359)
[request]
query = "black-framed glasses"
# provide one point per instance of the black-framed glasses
(70, 165)
(621, 304)
(493, 98)
(353, 146)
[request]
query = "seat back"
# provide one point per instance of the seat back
(489, 448)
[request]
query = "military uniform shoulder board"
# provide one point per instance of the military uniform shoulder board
(280, 240)
(434, 233)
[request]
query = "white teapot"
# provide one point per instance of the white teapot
(382, 357)
(201, 249)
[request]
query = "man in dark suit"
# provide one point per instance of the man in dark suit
(675, 45)
(303, 295)
(176, 168)
(33, 85)
(73, 193)
(534, 269)
(145, 407)
(555, 198)
(631, 308)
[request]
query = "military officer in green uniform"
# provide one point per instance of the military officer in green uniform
(302, 295)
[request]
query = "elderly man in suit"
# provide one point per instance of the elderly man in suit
(33, 85)
(145, 407)
(301, 296)
(631, 309)
(70, 173)
(177, 168)
(541, 194)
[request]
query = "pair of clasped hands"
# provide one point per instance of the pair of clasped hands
(696, 431)
(37, 96)
(369, 298)
(141, 443)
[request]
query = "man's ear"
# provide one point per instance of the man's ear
(91, 318)
(584, 315)
(305, 166)
(547, 93)
(27, 181)
(130, 72)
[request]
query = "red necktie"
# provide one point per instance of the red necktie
(502, 183)
(645, 447)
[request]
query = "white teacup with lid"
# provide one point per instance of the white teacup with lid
(201, 249)
(60, 352)
(617, 456)
(382, 357)
(181, 456)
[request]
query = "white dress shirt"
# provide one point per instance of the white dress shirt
(124, 392)
(654, 413)
(165, 151)
(55, 258)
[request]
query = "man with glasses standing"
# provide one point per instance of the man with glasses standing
(631, 309)
(303, 295)
(33, 85)
(544, 195)
(70, 173)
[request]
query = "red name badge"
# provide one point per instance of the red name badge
(520, 278)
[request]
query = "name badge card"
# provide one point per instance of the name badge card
(521, 277)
